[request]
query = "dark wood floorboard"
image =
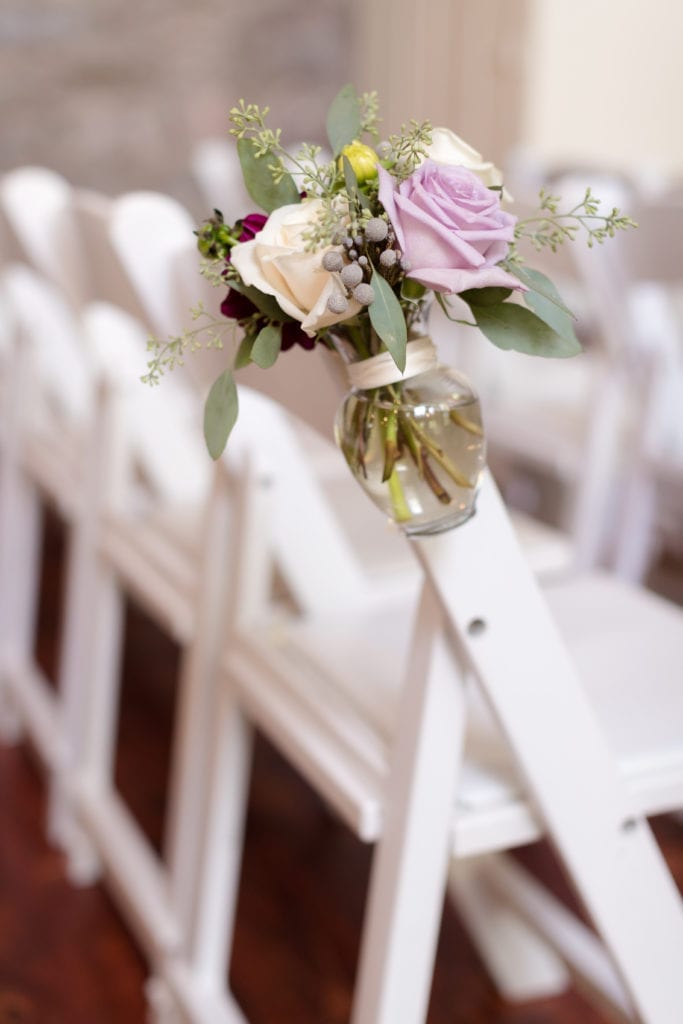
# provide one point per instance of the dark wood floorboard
(67, 958)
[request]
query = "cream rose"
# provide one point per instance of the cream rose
(449, 148)
(277, 262)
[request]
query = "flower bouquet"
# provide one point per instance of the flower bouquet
(351, 250)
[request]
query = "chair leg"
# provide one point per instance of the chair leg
(162, 1007)
(21, 542)
(198, 695)
(611, 858)
(217, 881)
(636, 531)
(520, 963)
(410, 866)
(89, 761)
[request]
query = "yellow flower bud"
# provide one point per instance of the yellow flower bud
(362, 158)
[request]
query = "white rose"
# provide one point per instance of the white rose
(449, 148)
(277, 262)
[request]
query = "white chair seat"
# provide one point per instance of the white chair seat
(360, 659)
(549, 551)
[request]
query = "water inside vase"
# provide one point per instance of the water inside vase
(441, 452)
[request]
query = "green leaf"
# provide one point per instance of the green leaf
(265, 304)
(386, 316)
(259, 180)
(243, 356)
(441, 299)
(350, 179)
(513, 327)
(266, 348)
(220, 413)
(351, 182)
(538, 282)
(485, 296)
(343, 119)
(544, 298)
(412, 290)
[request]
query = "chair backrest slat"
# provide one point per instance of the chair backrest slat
(317, 562)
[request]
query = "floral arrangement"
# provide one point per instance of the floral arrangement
(350, 250)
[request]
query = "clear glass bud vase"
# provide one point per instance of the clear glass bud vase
(416, 447)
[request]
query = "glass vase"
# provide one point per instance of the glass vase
(416, 447)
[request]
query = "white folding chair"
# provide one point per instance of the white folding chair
(152, 482)
(167, 554)
(136, 465)
(394, 735)
(555, 427)
(51, 400)
(643, 286)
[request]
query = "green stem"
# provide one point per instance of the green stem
(400, 510)
(420, 457)
(390, 431)
(438, 455)
(469, 425)
(399, 505)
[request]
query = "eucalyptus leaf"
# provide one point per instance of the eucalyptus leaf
(485, 296)
(259, 179)
(343, 119)
(220, 413)
(266, 348)
(552, 315)
(513, 327)
(243, 356)
(538, 282)
(440, 298)
(350, 179)
(386, 316)
(351, 182)
(544, 298)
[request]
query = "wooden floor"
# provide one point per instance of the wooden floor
(66, 957)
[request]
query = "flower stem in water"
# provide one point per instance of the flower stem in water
(400, 511)
(438, 455)
(469, 425)
(389, 428)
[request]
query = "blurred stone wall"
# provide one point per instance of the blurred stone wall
(113, 93)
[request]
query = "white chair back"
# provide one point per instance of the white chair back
(218, 175)
(107, 278)
(37, 204)
(147, 230)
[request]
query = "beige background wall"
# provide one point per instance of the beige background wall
(604, 82)
(458, 63)
(114, 94)
(598, 82)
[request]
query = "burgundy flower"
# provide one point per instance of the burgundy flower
(237, 306)
(293, 335)
(251, 225)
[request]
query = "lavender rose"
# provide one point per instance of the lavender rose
(450, 227)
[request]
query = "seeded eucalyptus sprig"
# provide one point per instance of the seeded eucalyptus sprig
(551, 228)
(409, 148)
(169, 353)
(249, 123)
(368, 103)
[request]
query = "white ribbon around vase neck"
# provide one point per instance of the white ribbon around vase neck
(378, 371)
